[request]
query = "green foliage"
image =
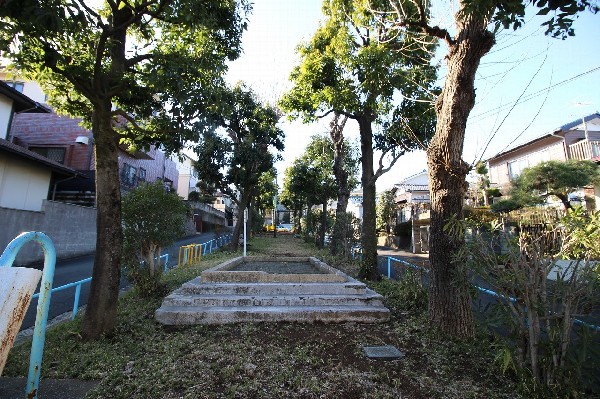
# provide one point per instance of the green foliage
(510, 14)
(493, 192)
(70, 49)
(266, 190)
(542, 347)
(310, 179)
(386, 211)
(358, 64)
(194, 196)
(505, 206)
(406, 294)
(152, 219)
(238, 158)
(554, 178)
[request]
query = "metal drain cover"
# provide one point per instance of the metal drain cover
(386, 352)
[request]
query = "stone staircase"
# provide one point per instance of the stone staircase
(198, 302)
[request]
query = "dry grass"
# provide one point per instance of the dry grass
(144, 359)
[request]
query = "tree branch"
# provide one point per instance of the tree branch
(421, 23)
(381, 169)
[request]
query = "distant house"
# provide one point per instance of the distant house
(412, 197)
(225, 204)
(578, 140)
(188, 176)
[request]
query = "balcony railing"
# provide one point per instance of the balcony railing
(585, 150)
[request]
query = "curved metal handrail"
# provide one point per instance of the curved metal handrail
(41, 319)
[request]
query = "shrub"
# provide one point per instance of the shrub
(152, 218)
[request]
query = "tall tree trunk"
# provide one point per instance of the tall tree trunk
(309, 224)
(323, 225)
(449, 300)
(237, 230)
(101, 314)
(368, 236)
(338, 238)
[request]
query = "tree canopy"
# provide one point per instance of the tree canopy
(554, 178)
(358, 66)
(142, 72)
(233, 160)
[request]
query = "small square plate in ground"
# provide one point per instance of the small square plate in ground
(386, 352)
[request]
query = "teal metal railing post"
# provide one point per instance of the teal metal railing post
(41, 319)
(389, 267)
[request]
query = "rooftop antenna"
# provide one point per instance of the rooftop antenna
(585, 129)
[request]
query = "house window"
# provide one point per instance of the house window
(516, 167)
(56, 154)
(128, 175)
(142, 174)
(18, 86)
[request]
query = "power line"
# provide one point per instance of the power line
(532, 95)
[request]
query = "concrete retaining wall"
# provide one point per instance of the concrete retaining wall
(72, 229)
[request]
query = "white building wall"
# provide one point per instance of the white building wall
(5, 111)
(33, 90)
(22, 185)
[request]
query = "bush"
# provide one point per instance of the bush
(152, 219)
(505, 206)
(406, 294)
(539, 334)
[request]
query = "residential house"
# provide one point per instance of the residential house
(28, 182)
(412, 197)
(64, 140)
(225, 204)
(578, 140)
(26, 177)
(188, 176)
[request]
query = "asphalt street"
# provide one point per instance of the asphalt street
(76, 269)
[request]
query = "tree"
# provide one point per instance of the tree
(483, 182)
(319, 158)
(292, 194)
(345, 168)
(386, 211)
(153, 218)
(554, 178)
(136, 72)
(356, 65)
(449, 301)
(266, 190)
(235, 160)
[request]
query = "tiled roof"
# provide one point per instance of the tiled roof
(22, 152)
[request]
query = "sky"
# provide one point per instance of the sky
(528, 85)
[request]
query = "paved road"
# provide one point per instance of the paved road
(75, 269)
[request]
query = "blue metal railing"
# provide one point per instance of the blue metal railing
(484, 290)
(39, 332)
(77, 285)
(193, 252)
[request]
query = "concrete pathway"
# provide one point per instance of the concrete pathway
(14, 388)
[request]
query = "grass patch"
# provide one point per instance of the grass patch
(144, 359)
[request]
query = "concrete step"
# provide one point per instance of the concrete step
(370, 297)
(185, 315)
(194, 287)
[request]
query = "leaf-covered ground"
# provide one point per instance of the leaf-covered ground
(144, 359)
